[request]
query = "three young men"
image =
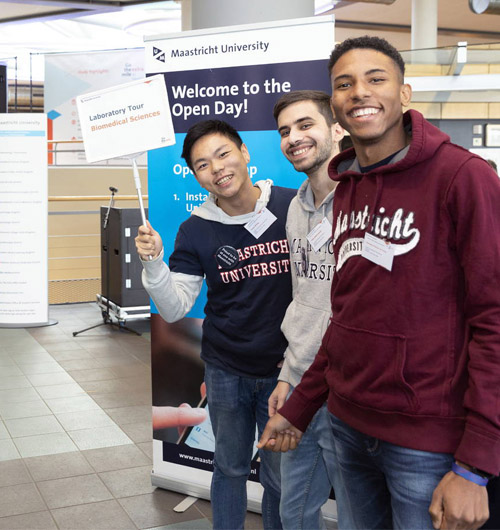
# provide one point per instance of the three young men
(246, 266)
(410, 363)
(309, 140)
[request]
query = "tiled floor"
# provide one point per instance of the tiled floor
(75, 430)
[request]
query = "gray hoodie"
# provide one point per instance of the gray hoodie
(308, 314)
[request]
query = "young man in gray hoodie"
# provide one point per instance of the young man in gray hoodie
(309, 140)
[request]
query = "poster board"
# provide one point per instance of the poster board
(125, 119)
(235, 74)
(23, 220)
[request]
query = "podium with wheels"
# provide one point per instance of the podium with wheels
(121, 267)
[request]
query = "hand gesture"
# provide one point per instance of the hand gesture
(148, 242)
(279, 435)
(278, 397)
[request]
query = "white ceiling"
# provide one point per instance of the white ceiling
(55, 25)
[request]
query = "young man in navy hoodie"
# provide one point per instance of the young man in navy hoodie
(236, 240)
(410, 363)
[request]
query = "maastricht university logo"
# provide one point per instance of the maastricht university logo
(158, 54)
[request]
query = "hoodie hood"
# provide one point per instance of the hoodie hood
(211, 212)
(426, 139)
(306, 198)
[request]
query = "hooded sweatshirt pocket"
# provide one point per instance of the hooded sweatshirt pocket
(367, 368)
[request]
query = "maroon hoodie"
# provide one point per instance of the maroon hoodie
(412, 355)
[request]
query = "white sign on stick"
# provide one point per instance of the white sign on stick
(126, 119)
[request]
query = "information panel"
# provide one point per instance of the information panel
(235, 74)
(23, 220)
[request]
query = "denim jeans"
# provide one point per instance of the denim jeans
(236, 404)
(308, 475)
(386, 485)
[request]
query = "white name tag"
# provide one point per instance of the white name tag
(260, 222)
(320, 234)
(378, 251)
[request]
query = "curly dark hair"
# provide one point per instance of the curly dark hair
(371, 43)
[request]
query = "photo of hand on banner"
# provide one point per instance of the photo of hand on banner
(181, 417)
(125, 121)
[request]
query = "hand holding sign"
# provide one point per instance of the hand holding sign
(148, 242)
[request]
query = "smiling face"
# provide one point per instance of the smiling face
(220, 166)
(307, 141)
(367, 99)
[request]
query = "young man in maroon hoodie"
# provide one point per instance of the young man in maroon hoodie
(410, 363)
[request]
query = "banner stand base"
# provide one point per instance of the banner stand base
(185, 504)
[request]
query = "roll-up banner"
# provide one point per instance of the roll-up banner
(235, 74)
(23, 220)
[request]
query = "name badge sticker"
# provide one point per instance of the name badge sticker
(378, 251)
(260, 222)
(320, 234)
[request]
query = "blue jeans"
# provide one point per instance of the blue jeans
(236, 404)
(386, 485)
(308, 475)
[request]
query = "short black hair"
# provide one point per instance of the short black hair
(202, 128)
(321, 99)
(367, 42)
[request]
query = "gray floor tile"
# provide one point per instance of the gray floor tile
(107, 515)
(120, 457)
(133, 370)
(71, 355)
(146, 448)
(128, 482)
(60, 346)
(136, 414)
(4, 434)
(49, 367)
(32, 358)
(61, 465)
(110, 386)
(33, 426)
(18, 499)
(196, 524)
(72, 404)
(14, 381)
(99, 437)
(85, 419)
(73, 490)
(8, 371)
(6, 361)
(27, 409)
(117, 359)
(139, 432)
(122, 399)
(156, 509)
(22, 351)
(44, 444)
(19, 395)
(60, 391)
(94, 374)
(80, 364)
(28, 521)
(50, 379)
(13, 472)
